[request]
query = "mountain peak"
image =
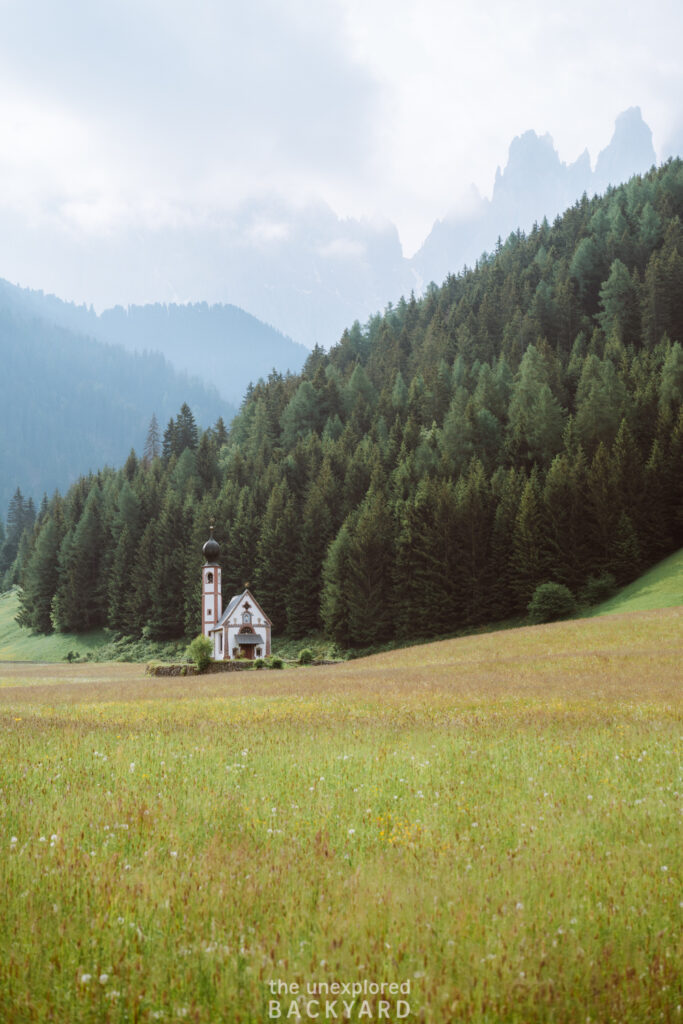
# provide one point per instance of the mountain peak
(629, 152)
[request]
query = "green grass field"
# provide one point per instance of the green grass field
(660, 587)
(18, 644)
(491, 824)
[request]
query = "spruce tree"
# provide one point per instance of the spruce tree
(41, 576)
(186, 431)
(368, 583)
(166, 589)
(120, 583)
(273, 556)
(138, 608)
(81, 599)
(152, 447)
(475, 515)
(529, 565)
(335, 603)
(305, 590)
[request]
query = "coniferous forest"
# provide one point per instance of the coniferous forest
(522, 423)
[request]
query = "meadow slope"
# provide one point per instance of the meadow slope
(492, 823)
(659, 587)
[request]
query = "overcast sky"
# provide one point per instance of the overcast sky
(133, 113)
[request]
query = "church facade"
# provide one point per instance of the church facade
(242, 630)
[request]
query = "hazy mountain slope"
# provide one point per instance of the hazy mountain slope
(70, 404)
(223, 345)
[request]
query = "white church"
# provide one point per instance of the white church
(243, 629)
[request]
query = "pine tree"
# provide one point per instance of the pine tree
(274, 555)
(20, 517)
(152, 448)
(315, 534)
(535, 417)
(238, 555)
(368, 580)
(335, 604)
(41, 576)
(628, 473)
(475, 514)
(166, 593)
(619, 304)
(118, 615)
(625, 560)
(528, 561)
(671, 385)
(186, 432)
(600, 403)
(220, 433)
(507, 490)
(170, 444)
(301, 416)
(80, 601)
(207, 463)
(603, 508)
(672, 483)
(428, 595)
(137, 606)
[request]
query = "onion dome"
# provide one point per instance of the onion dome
(211, 549)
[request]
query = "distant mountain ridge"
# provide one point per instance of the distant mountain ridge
(302, 268)
(220, 344)
(534, 184)
(70, 404)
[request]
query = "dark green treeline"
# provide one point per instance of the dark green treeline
(520, 424)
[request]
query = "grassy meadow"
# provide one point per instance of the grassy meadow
(660, 587)
(492, 823)
(18, 644)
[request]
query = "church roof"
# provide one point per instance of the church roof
(249, 638)
(234, 602)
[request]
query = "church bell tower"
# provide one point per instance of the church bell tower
(212, 600)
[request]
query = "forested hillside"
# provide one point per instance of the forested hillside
(519, 424)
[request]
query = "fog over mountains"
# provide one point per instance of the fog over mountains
(303, 269)
(534, 184)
